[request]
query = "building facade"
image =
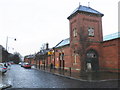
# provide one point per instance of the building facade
(1, 53)
(86, 49)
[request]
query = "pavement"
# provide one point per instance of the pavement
(86, 76)
(4, 86)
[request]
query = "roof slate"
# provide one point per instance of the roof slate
(43, 52)
(85, 9)
(63, 43)
(111, 36)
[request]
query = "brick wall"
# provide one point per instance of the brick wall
(110, 55)
(67, 57)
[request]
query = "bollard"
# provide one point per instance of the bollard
(63, 70)
(44, 67)
(50, 69)
(39, 66)
(70, 70)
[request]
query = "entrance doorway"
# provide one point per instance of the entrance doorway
(92, 62)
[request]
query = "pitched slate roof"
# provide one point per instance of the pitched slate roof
(30, 56)
(85, 9)
(111, 36)
(63, 43)
(43, 52)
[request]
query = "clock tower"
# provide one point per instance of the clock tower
(85, 25)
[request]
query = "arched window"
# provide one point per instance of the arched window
(75, 32)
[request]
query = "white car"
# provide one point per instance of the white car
(20, 63)
(3, 69)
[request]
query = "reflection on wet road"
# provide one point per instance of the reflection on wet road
(20, 77)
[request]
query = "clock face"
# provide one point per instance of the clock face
(91, 31)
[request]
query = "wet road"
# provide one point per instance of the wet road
(20, 77)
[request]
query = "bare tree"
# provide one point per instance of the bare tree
(43, 47)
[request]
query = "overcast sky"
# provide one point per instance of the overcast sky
(34, 22)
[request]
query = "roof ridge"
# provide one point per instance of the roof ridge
(63, 42)
(58, 43)
(66, 38)
(86, 9)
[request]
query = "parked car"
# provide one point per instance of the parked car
(3, 69)
(8, 65)
(26, 65)
(11, 62)
(20, 63)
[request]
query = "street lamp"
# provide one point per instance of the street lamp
(7, 41)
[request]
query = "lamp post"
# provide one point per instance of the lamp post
(7, 41)
(7, 45)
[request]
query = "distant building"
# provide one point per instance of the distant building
(1, 53)
(29, 59)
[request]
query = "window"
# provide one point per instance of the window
(75, 58)
(91, 31)
(61, 56)
(75, 32)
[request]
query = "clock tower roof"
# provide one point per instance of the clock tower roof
(86, 10)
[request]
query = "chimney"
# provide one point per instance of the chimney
(47, 46)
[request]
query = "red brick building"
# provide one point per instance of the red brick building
(85, 49)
